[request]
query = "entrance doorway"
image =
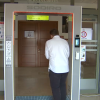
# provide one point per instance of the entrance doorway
(31, 49)
(74, 30)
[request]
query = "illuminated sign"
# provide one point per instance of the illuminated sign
(37, 17)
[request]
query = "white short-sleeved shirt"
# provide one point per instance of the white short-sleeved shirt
(57, 51)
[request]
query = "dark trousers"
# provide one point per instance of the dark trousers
(58, 85)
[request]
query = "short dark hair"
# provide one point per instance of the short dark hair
(54, 32)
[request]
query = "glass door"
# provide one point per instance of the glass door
(89, 66)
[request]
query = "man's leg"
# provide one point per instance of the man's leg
(63, 86)
(55, 85)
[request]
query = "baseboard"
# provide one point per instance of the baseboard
(1, 92)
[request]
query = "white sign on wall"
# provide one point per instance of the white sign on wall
(8, 51)
(29, 34)
(83, 53)
(86, 34)
(1, 30)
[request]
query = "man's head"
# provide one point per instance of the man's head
(54, 32)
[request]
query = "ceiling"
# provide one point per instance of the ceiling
(81, 1)
(85, 1)
(76, 1)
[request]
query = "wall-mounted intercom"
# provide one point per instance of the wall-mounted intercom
(77, 41)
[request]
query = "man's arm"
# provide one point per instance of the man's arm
(46, 51)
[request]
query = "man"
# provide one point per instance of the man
(57, 52)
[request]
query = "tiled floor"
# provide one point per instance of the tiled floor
(32, 82)
(35, 82)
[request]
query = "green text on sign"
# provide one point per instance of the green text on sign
(37, 17)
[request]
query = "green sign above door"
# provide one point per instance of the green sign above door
(37, 17)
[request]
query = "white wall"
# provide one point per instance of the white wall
(84, 4)
(23, 17)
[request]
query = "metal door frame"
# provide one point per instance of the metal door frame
(9, 10)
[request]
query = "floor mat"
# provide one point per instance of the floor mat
(35, 98)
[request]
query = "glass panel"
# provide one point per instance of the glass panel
(86, 3)
(89, 67)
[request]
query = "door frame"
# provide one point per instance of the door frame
(9, 11)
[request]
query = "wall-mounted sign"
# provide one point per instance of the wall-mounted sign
(37, 17)
(29, 34)
(83, 53)
(86, 34)
(1, 30)
(8, 51)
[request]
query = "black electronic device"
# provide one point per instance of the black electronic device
(77, 41)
